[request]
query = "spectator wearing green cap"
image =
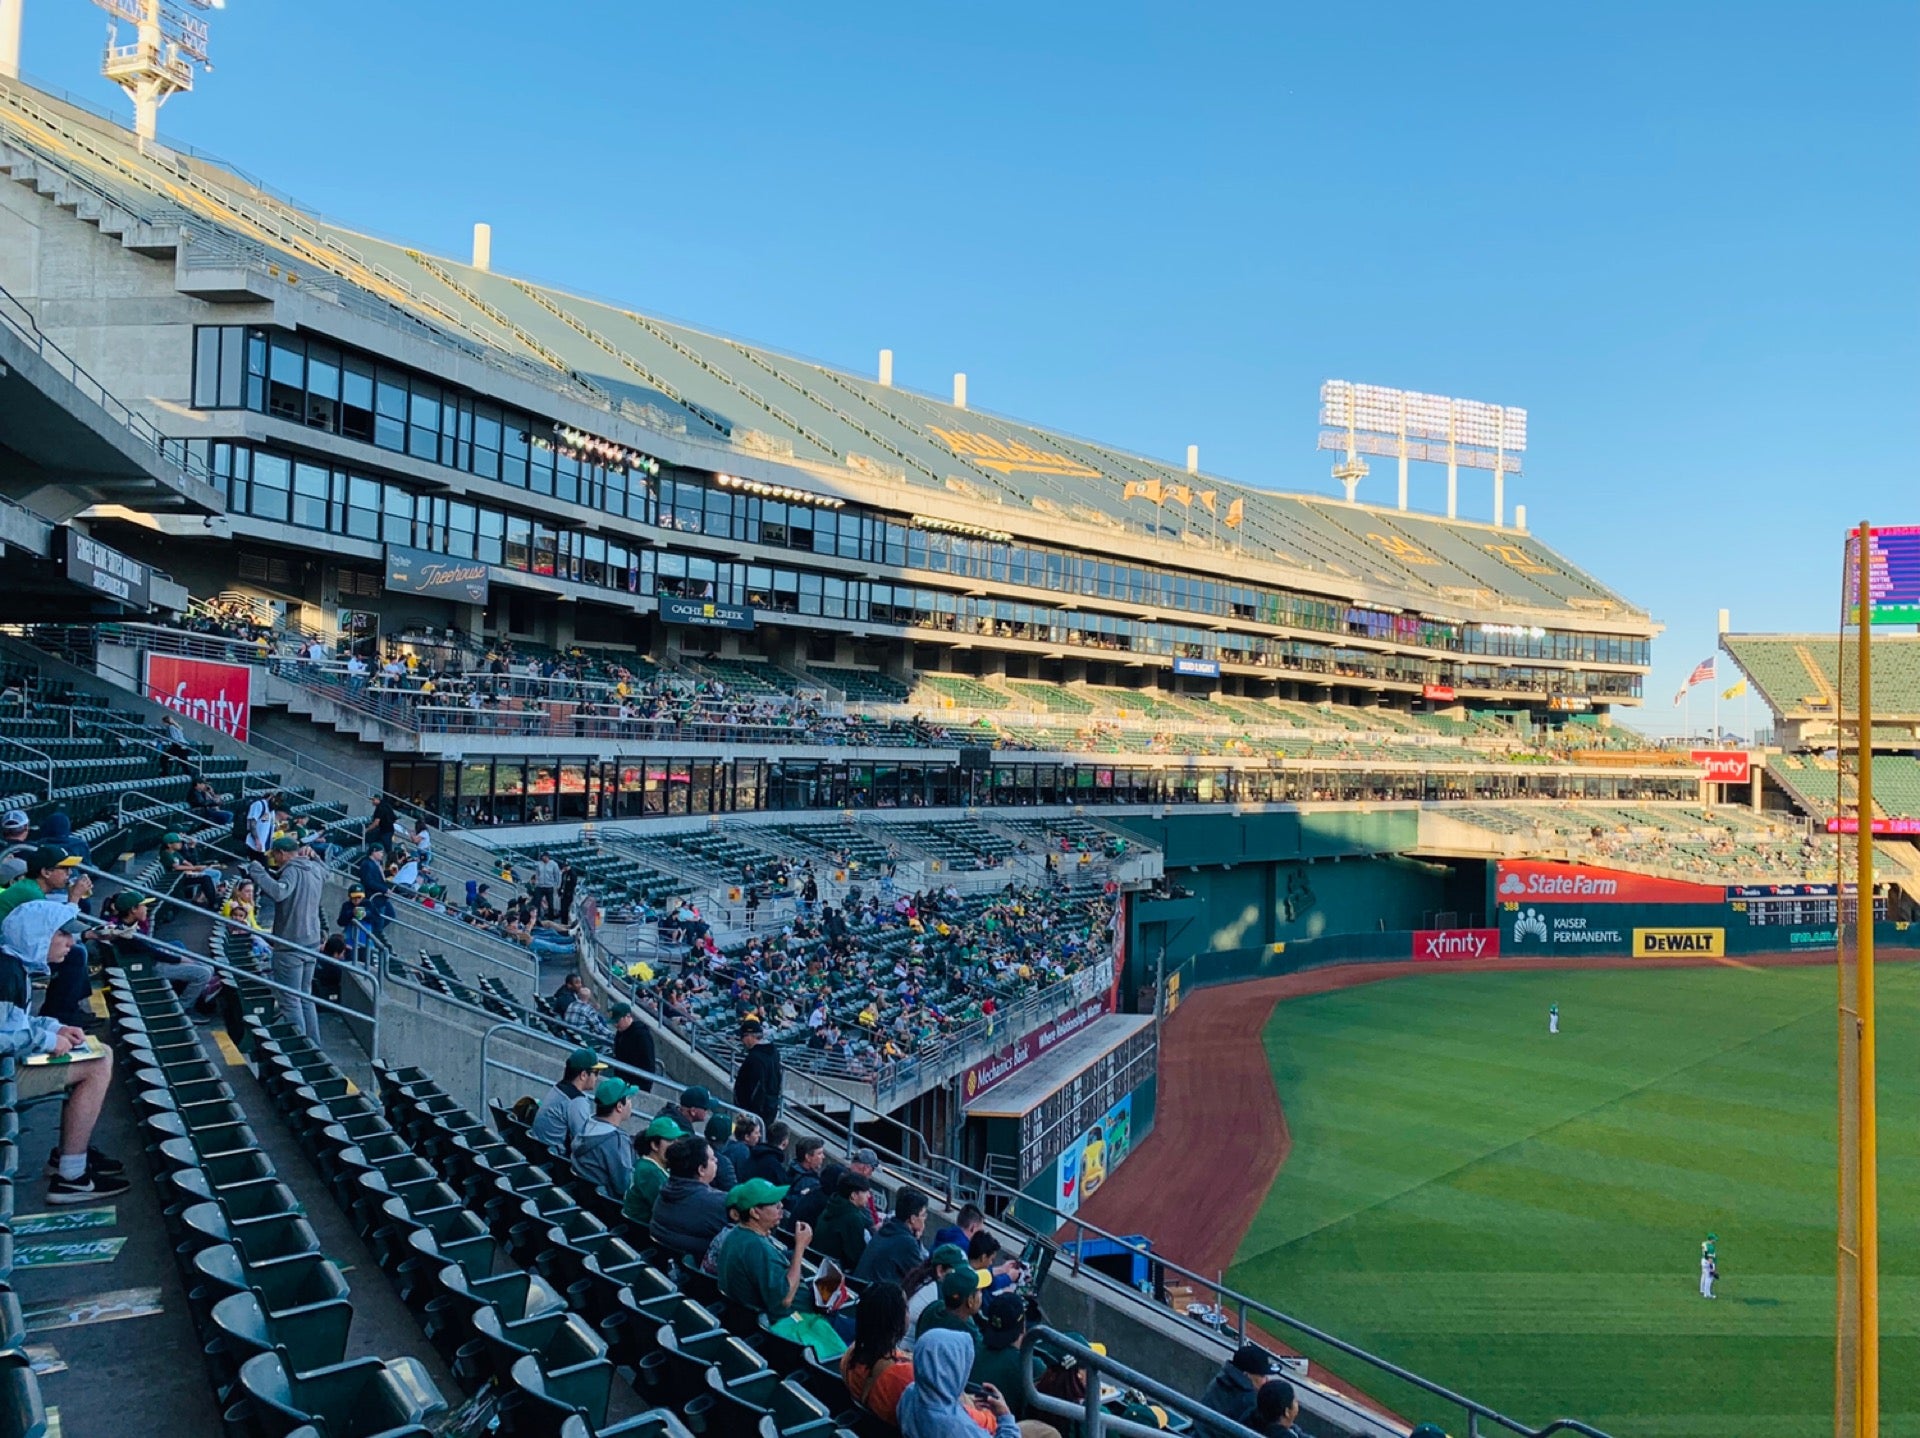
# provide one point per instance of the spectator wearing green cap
(922, 1286)
(602, 1153)
(129, 934)
(566, 1110)
(198, 883)
(53, 873)
(960, 1295)
(650, 1169)
(633, 1044)
(755, 1271)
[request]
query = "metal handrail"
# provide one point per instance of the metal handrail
(172, 453)
(167, 946)
(521, 1034)
(979, 1184)
(41, 754)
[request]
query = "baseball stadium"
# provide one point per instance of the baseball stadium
(1250, 921)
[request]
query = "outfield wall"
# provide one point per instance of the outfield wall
(1243, 884)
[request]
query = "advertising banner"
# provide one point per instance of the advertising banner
(706, 613)
(416, 571)
(1679, 943)
(1724, 766)
(217, 695)
(1436, 691)
(1436, 945)
(1850, 824)
(1201, 668)
(1086, 1162)
(1537, 881)
(92, 565)
(1007, 1062)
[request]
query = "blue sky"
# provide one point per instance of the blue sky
(1683, 236)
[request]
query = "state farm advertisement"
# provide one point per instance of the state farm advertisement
(217, 695)
(1724, 766)
(1538, 881)
(1432, 946)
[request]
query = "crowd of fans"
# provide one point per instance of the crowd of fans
(857, 987)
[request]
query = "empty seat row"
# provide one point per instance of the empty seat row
(273, 1310)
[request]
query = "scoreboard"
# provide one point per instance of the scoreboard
(1795, 905)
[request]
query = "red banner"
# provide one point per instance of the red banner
(1724, 766)
(1023, 1051)
(1440, 945)
(1851, 825)
(217, 695)
(1536, 881)
(1436, 691)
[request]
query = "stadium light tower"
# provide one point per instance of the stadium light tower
(1368, 419)
(169, 41)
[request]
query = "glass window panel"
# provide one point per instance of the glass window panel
(519, 540)
(397, 522)
(423, 436)
(233, 367)
(489, 548)
(390, 411)
(310, 483)
(286, 377)
(363, 507)
(356, 399)
(206, 367)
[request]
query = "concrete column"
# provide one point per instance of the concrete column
(10, 11)
(886, 368)
(960, 391)
(483, 247)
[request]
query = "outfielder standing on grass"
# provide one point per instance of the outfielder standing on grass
(1709, 1266)
(1553, 1018)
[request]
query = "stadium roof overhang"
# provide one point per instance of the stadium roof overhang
(62, 449)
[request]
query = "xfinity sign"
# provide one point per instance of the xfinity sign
(1444, 945)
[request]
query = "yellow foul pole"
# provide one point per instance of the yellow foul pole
(1869, 1374)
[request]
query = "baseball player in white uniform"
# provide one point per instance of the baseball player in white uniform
(1553, 1018)
(1709, 1266)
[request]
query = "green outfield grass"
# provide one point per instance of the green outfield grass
(1519, 1217)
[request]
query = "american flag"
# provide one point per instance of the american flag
(1702, 672)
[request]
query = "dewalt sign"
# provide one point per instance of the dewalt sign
(1679, 943)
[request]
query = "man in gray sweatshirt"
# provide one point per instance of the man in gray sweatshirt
(603, 1154)
(295, 887)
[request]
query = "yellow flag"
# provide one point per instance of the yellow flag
(1155, 491)
(1181, 492)
(1735, 692)
(1207, 497)
(1133, 490)
(1236, 512)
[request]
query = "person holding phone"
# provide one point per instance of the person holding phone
(935, 1403)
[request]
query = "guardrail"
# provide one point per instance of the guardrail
(170, 452)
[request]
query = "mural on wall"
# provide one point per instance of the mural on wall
(1086, 1162)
